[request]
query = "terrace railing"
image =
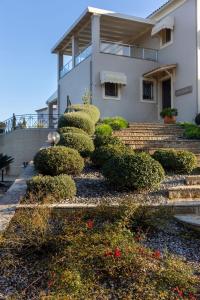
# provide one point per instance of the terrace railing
(28, 121)
(128, 50)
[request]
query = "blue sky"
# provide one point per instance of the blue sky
(28, 30)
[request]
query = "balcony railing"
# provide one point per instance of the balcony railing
(30, 121)
(78, 59)
(128, 50)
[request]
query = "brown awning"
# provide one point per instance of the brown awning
(160, 71)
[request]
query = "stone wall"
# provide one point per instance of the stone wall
(22, 144)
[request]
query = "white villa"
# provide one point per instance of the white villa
(133, 67)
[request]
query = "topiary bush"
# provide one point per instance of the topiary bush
(197, 119)
(77, 119)
(101, 140)
(133, 171)
(180, 162)
(90, 109)
(81, 142)
(103, 130)
(58, 160)
(71, 130)
(191, 131)
(104, 153)
(116, 123)
(58, 187)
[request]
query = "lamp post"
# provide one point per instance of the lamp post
(53, 138)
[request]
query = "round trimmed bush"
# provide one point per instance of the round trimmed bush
(58, 187)
(197, 119)
(134, 172)
(71, 130)
(116, 123)
(77, 119)
(103, 129)
(58, 160)
(101, 140)
(181, 162)
(90, 109)
(104, 153)
(81, 142)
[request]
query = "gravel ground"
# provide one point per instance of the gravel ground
(92, 188)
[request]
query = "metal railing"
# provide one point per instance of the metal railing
(78, 59)
(28, 121)
(128, 50)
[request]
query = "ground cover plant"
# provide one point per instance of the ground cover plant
(116, 123)
(191, 130)
(88, 255)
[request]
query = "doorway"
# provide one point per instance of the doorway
(166, 93)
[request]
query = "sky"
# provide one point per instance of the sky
(28, 31)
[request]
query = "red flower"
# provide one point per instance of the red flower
(108, 253)
(157, 254)
(192, 297)
(178, 291)
(90, 224)
(50, 283)
(117, 253)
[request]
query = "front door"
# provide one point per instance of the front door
(166, 93)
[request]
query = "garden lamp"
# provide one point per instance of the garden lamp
(53, 138)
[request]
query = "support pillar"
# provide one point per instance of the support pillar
(75, 50)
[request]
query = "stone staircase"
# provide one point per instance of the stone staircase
(152, 136)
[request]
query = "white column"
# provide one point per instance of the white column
(60, 63)
(95, 33)
(75, 50)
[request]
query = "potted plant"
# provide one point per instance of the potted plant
(169, 115)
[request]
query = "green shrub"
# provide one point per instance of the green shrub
(133, 171)
(81, 142)
(191, 131)
(169, 112)
(103, 130)
(58, 160)
(58, 187)
(197, 119)
(101, 140)
(77, 119)
(91, 110)
(71, 130)
(116, 123)
(180, 162)
(104, 153)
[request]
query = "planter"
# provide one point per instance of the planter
(170, 120)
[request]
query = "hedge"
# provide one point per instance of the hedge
(56, 188)
(101, 140)
(103, 130)
(104, 153)
(81, 142)
(58, 160)
(133, 171)
(117, 123)
(91, 110)
(71, 130)
(180, 162)
(77, 119)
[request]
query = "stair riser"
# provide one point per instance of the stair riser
(184, 194)
(163, 144)
(192, 181)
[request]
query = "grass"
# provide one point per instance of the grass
(89, 255)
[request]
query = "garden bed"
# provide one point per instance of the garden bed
(4, 186)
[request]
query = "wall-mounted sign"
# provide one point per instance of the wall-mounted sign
(184, 91)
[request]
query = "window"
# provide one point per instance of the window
(166, 36)
(148, 90)
(111, 90)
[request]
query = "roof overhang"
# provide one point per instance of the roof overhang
(53, 98)
(114, 27)
(113, 77)
(166, 23)
(160, 71)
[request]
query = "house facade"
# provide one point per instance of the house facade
(133, 67)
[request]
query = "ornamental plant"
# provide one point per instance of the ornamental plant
(91, 110)
(116, 123)
(103, 130)
(169, 112)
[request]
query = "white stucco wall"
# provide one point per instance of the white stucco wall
(74, 84)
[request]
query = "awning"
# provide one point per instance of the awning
(113, 77)
(167, 23)
(160, 71)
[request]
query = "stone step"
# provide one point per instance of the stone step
(162, 144)
(154, 130)
(161, 125)
(149, 138)
(192, 180)
(151, 150)
(146, 134)
(184, 192)
(191, 220)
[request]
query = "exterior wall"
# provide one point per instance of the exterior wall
(183, 53)
(198, 51)
(74, 84)
(22, 144)
(130, 105)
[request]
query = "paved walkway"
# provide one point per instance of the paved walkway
(10, 200)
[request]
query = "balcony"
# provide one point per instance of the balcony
(78, 59)
(128, 51)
